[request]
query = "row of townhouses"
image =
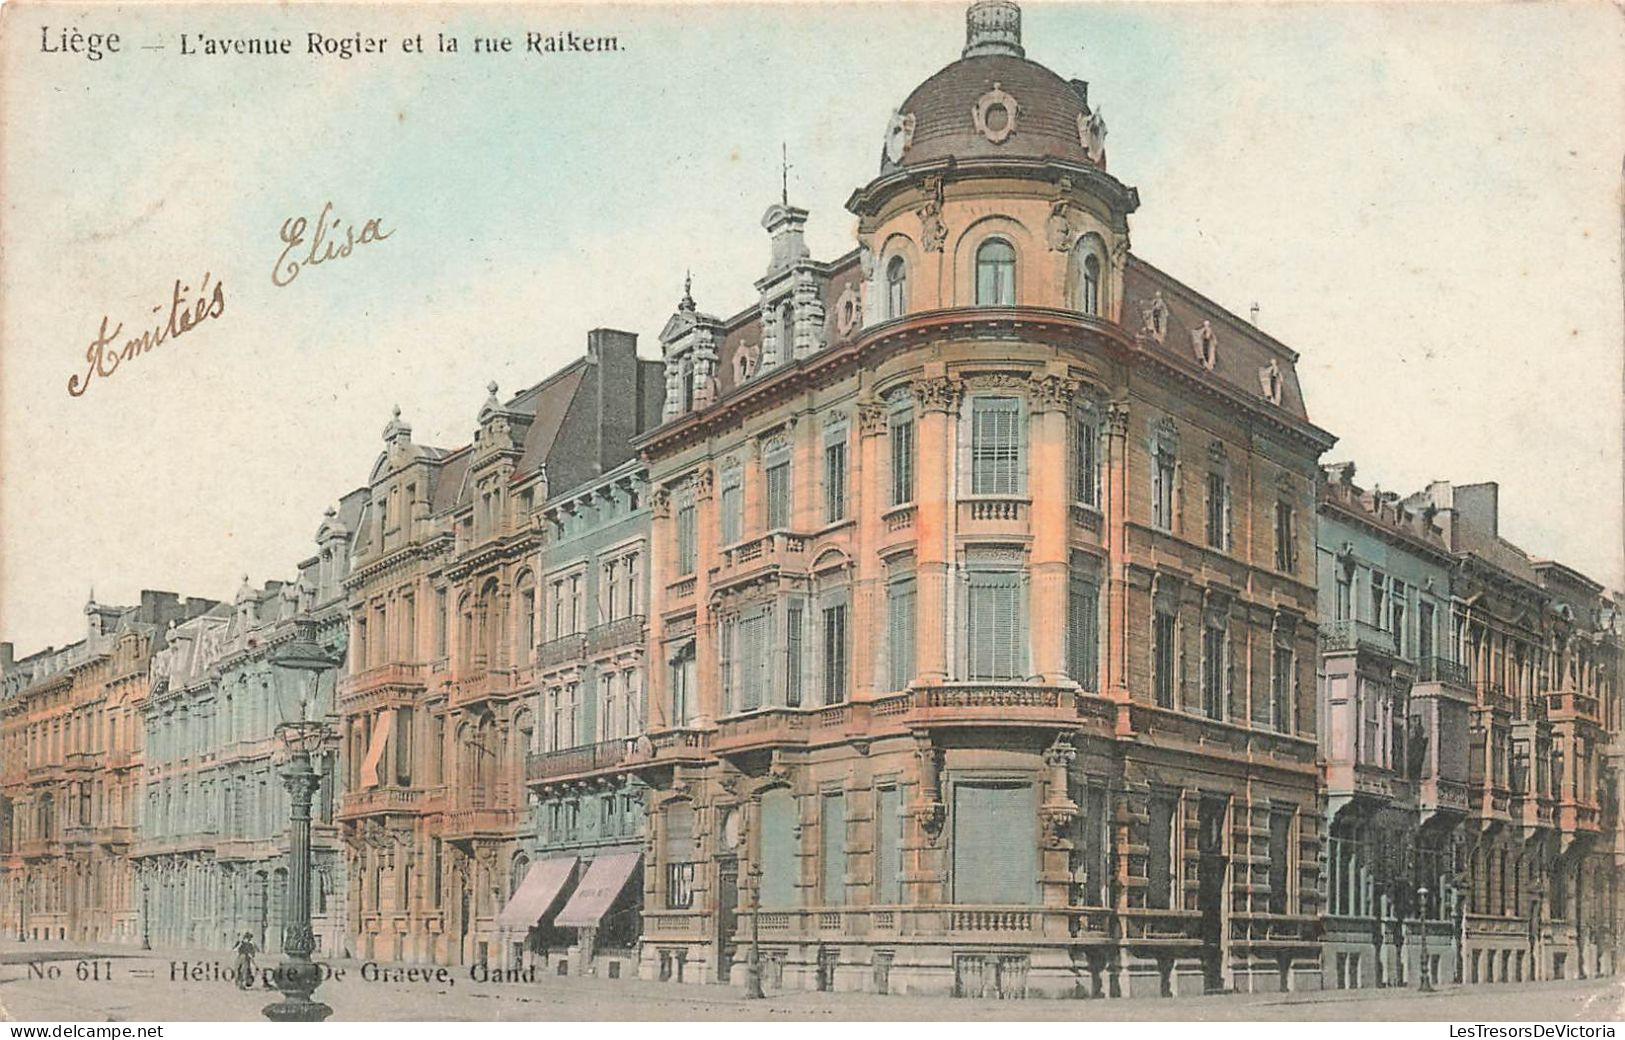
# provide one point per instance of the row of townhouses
(974, 613)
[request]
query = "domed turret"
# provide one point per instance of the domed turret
(993, 103)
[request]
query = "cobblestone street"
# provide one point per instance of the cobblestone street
(136, 986)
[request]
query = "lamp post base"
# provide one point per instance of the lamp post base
(297, 978)
(296, 1011)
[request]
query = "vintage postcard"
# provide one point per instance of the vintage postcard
(812, 511)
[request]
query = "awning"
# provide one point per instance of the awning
(605, 878)
(542, 885)
(375, 751)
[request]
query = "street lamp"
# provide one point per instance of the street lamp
(1426, 984)
(298, 976)
(146, 911)
(753, 961)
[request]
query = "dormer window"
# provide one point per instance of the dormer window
(896, 287)
(996, 274)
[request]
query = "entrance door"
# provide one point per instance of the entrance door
(1210, 878)
(464, 923)
(727, 916)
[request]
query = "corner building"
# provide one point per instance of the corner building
(983, 592)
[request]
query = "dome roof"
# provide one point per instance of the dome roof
(993, 103)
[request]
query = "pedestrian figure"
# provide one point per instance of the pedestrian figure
(245, 961)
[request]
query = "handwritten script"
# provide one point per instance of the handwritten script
(185, 313)
(323, 245)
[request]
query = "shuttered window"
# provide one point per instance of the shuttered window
(778, 850)
(1280, 859)
(888, 847)
(778, 496)
(1083, 631)
(733, 513)
(996, 443)
(1281, 690)
(1163, 659)
(755, 644)
(1218, 511)
(686, 559)
(1159, 853)
(902, 456)
(679, 855)
(900, 601)
(1086, 458)
(832, 824)
(994, 630)
(835, 654)
(793, 663)
(995, 851)
(1213, 671)
(1162, 490)
(835, 482)
(727, 661)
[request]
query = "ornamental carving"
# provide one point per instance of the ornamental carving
(995, 381)
(1092, 135)
(866, 261)
(1154, 317)
(1270, 381)
(1205, 345)
(1052, 392)
(899, 135)
(936, 395)
(660, 504)
(1058, 230)
(703, 481)
(1117, 419)
(871, 419)
(933, 231)
(848, 311)
(994, 115)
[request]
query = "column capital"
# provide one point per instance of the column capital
(1051, 393)
(940, 394)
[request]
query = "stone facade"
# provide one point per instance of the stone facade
(1395, 722)
(443, 700)
(71, 787)
(971, 614)
(211, 855)
(986, 616)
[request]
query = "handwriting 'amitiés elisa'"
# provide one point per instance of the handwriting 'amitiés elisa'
(185, 313)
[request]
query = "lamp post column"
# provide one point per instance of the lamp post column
(297, 977)
(1426, 983)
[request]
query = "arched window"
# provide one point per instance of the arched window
(896, 288)
(996, 274)
(517, 872)
(787, 332)
(1089, 289)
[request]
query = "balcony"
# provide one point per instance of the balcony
(120, 758)
(954, 704)
(993, 515)
(1349, 634)
(1443, 796)
(38, 848)
(1572, 706)
(81, 761)
(775, 551)
(626, 631)
(395, 676)
(676, 746)
(115, 836)
(1576, 817)
(1442, 670)
(578, 761)
(562, 650)
(480, 685)
(380, 800)
(466, 824)
(1489, 694)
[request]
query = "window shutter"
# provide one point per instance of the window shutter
(1229, 520)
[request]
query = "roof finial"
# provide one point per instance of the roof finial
(784, 173)
(993, 27)
(687, 302)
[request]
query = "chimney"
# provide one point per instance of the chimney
(8, 656)
(615, 353)
(1478, 505)
(785, 225)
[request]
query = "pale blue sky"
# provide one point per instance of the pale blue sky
(1422, 199)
